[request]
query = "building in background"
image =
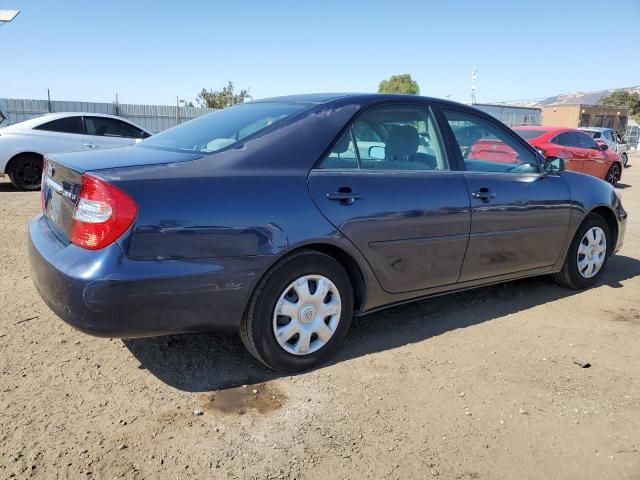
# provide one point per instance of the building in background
(580, 115)
(510, 114)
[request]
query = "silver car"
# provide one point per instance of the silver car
(611, 138)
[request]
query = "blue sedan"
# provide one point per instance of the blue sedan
(284, 218)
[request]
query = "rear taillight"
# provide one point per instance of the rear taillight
(103, 213)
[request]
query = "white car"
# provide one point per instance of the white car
(22, 145)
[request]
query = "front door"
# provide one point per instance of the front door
(392, 193)
(596, 162)
(519, 217)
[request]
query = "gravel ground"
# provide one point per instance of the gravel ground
(478, 385)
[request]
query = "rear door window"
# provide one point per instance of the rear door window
(566, 139)
(63, 125)
(110, 127)
(585, 141)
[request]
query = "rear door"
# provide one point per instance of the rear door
(60, 135)
(596, 162)
(574, 157)
(519, 216)
(396, 196)
(105, 132)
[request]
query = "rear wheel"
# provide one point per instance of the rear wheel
(300, 312)
(613, 175)
(25, 171)
(587, 255)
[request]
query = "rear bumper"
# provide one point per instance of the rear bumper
(104, 293)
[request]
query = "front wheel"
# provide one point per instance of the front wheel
(300, 312)
(587, 255)
(614, 174)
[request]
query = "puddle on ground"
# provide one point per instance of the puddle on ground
(242, 400)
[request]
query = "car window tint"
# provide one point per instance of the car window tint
(566, 139)
(110, 127)
(585, 141)
(399, 138)
(63, 125)
(342, 154)
(487, 148)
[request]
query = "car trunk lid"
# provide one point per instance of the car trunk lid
(63, 177)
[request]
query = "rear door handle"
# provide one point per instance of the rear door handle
(344, 196)
(483, 194)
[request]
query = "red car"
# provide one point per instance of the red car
(578, 150)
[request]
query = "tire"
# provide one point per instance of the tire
(25, 171)
(625, 160)
(570, 275)
(281, 283)
(613, 175)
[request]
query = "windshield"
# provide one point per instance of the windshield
(529, 134)
(220, 129)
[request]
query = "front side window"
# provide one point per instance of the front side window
(63, 125)
(215, 131)
(487, 148)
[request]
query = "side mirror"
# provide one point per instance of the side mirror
(377, 152)
(604, 146)
(554, 165)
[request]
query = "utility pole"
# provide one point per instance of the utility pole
(474, 76)
(48, 100)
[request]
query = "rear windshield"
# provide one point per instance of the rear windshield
(529, 134)
(220, 129)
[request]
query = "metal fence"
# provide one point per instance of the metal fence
(153, 118)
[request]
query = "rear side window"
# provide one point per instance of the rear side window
(63, 125)
(342, 155)
(487, 148)
(110, 127)
(399, 137)
(585, 141)
(566, 139)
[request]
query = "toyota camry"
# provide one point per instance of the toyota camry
(281, 219)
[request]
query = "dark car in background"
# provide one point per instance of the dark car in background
(283, 218)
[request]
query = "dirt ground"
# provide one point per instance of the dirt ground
(478, 385)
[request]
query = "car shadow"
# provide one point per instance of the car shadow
(622, 186)
(208, 362)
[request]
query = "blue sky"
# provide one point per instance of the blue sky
(152, 51)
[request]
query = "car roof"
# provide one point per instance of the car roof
(319, 98)
(595, 129)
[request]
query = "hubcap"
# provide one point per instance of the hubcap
(592, 252)
(307, 314)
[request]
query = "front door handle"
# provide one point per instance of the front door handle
(91, 145)
(483, 194)
(345, 196)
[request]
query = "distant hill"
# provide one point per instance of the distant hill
(587, 98)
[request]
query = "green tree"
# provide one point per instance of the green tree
(623, 98)
(222, 98)
(399, 84)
